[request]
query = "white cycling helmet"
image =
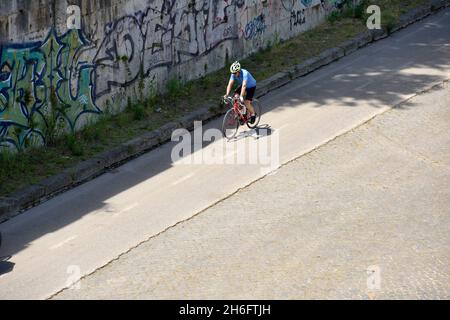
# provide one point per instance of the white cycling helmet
(235, 67)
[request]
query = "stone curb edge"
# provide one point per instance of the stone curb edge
(28, 197)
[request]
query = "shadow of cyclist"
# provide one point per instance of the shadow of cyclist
(260, 131)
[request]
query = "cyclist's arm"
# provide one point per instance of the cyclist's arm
(229, 87)
(244, 87)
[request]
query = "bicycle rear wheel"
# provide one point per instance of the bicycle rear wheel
(257, 106)
(230, 124)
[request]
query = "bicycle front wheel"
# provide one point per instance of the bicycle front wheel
(258, 109)
(230, 124)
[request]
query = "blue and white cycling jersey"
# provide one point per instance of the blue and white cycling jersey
(244, 75)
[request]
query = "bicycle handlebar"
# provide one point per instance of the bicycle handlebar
(231, 100)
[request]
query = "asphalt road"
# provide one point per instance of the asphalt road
(79, 232)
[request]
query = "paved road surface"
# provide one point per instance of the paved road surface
(366, 216)
(96, 222)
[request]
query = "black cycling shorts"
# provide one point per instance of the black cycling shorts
(249, 92)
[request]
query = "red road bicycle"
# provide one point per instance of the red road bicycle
(238, 115)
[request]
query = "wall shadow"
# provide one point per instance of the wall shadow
(5, 265)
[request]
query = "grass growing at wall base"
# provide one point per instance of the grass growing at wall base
(31, 166)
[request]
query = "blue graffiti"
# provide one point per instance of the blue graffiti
(255, 27)
(288, 4)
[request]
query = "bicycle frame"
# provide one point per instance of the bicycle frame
(237, 107)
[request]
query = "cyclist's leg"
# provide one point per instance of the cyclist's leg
(249, 98)
(247, 102)
(249, 106)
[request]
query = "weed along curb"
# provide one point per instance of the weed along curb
(21, 200)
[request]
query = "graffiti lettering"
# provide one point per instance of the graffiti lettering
(63, 77)
(33, 73)
(288, 5)
(229, 31)
(255, 27)
(297, 18)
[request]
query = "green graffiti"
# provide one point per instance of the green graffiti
(29, 75)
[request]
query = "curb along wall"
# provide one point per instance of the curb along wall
(53, 78)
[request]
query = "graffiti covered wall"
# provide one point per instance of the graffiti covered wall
(55, 78)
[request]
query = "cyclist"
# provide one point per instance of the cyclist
(246, 89)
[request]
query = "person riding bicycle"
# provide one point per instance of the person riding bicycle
(246, 89)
